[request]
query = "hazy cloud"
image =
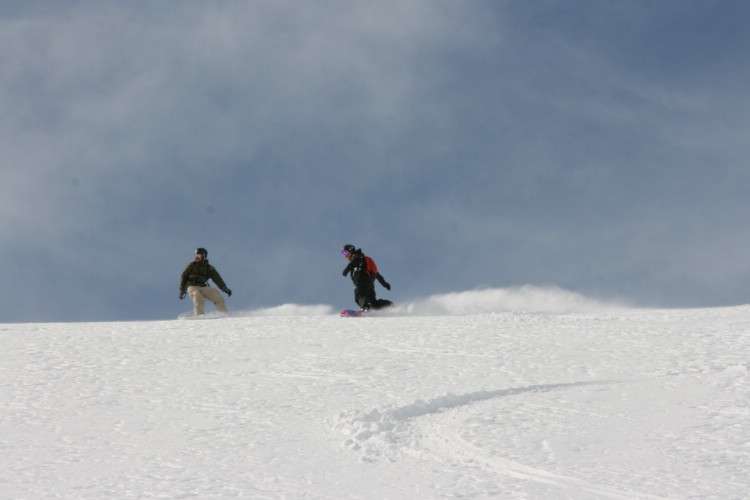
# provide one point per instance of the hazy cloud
(597, 147)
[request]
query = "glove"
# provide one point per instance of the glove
(182, 294)
(346, 271)
(387, 285)
(228, 292)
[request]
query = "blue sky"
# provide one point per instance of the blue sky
(596, 146)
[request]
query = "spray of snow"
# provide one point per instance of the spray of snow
(528, 298)
(292, 310)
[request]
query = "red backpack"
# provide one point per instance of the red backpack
(370, 267)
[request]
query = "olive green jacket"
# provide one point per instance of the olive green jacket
(198, 274)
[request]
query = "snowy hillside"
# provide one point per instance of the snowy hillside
(522, 393)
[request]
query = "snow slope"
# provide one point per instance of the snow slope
(523, 393)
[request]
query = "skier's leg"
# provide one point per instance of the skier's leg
(364, 299)
(214, 296)
(363, 303)
(199, 303)
(381, 303)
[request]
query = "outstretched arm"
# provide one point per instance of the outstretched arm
(383, 282)
(214, 275)
(347, 269)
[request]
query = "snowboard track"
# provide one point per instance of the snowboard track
(384, 434)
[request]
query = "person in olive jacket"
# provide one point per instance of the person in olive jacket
(194, 282)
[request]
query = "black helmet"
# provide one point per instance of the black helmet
(201, 251)
(348, 249)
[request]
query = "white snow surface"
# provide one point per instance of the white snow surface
(527, 393)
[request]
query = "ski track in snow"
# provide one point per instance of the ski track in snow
(390, 427)
(389, 433)
(627, 404)
(425, 427)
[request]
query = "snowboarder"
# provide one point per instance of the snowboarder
(364, 272)
(194, 282)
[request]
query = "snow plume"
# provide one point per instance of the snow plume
(290, 310)
(528, 298)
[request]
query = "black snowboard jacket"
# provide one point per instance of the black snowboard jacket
(362, 279)
(198, 274)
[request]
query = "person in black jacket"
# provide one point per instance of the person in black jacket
(364, 272)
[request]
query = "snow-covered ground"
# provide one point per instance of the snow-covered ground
(524, 393)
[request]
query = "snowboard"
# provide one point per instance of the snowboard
(352, 313)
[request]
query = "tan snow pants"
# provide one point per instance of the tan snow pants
(199, 295)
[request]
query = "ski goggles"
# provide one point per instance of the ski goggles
(346, 254)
